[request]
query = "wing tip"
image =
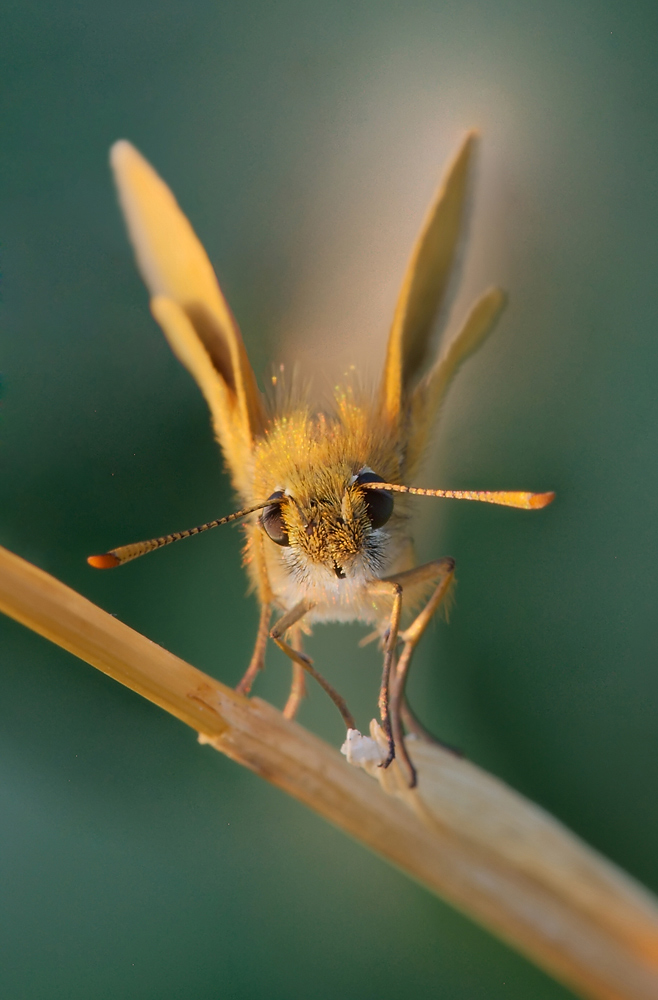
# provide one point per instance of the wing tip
(469, 143)
(497, 296)
(121, 152)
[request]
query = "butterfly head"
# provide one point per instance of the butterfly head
(336, 526)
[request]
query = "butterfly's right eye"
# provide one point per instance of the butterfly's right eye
(271, 521)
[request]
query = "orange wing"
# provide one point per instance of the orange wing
(426, 398)
(188, 304)
(425, 284)
(408, 400)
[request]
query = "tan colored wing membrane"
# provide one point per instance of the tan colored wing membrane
(428, 394)
(231, 432)
(176, 268)
(425, 284)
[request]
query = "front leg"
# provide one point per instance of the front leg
(257, 663)
(442, 571)
(279, 629)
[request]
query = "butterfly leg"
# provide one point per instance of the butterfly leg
(257, 661)
(279, 629)
(443, 571)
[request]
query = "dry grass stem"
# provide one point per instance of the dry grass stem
(463, 834)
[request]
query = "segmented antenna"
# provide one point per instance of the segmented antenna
(505, 498)
(116, 557)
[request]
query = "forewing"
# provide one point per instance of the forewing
(425, 285)
(188, 304)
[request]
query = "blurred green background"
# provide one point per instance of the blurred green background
(304, 141)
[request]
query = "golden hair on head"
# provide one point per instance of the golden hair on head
(324, 496)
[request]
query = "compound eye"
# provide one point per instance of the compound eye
(271, 520)
(379, 503)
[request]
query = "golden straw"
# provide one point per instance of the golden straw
(463, 834)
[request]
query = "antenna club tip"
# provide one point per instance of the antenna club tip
(107, 561)
(538, 500)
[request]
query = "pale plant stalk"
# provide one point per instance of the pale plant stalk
(463, 834)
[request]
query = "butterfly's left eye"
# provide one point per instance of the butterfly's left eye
(379, 503)
(272, 521)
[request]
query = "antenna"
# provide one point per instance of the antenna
(116, 557)
(505, 498)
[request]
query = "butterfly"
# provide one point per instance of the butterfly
(326, 493)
